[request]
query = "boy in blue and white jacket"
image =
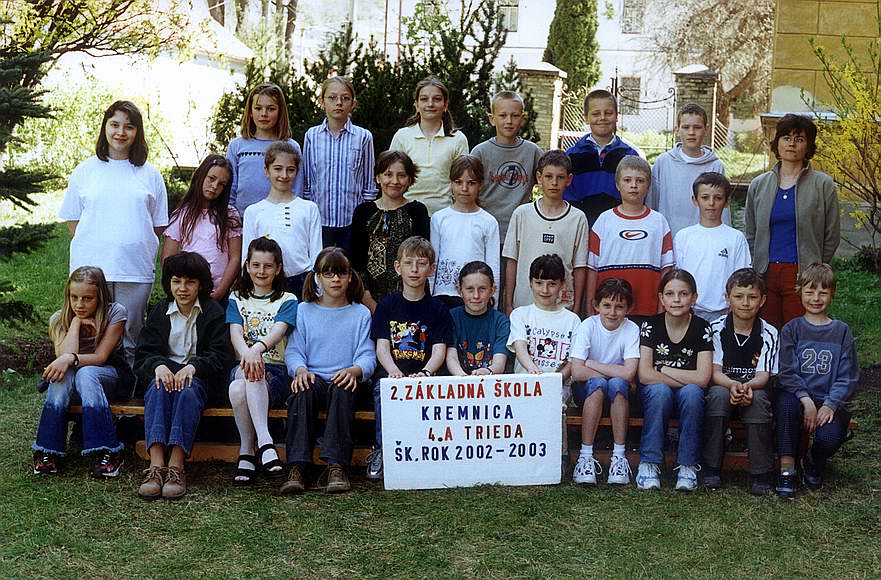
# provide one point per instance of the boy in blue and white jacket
(819, 374)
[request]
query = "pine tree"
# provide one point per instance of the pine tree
(572, 44)
(18, 101)
(508, 79)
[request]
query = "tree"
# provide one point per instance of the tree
(733, 37)
(849, 141)
(572, 44)
(18, 184)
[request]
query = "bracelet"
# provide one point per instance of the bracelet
(265, 346)
(427, 372)
(76, 359)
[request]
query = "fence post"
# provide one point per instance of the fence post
(545, 82)
(697, 84)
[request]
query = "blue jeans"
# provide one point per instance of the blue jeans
(99, 433)
(657, 405)
(611, 389)
(171, 418)
(790, 424)
(377, 404)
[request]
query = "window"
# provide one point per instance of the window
(628, 95)
(631, 16)
(509, 13)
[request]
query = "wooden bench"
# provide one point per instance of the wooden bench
(228, 451)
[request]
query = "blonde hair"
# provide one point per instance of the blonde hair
(417, 246)
(340, 80)
(61, 324)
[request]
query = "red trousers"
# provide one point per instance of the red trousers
(783, 302)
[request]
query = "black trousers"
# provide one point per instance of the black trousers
(303, 425)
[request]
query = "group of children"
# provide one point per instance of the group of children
(337, 289)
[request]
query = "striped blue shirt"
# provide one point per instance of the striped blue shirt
(338, 171)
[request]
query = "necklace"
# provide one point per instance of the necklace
(738, 341)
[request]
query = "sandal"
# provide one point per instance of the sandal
(246, 469)
(272, 468)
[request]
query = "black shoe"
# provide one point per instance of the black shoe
(787, 484)
(712, 478)
(812, 476)
(760, 484)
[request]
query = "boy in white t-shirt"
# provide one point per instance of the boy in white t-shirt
(711, 250)
(605, 358)
(541, 332)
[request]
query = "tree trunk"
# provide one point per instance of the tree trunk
(290, 24)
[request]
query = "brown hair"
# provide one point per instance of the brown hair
(614, 288)
(276, 149)
(818, 275)
(333, 260)
(692, 109)
(677, 274)
(417, 246)
(597, 95)
(470, 163)
(61, 324)
(244, 286)
(447, 118)
(712, 179)
(191, 206)
(388, 158)
(282, 127)
(554, 158)
(633, 162)
(137, 153)
(187, 265)
(746, 278)
(792, 123)
(341, 80)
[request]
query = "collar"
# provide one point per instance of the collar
(347, 127)
(173, 309)
(614, 142)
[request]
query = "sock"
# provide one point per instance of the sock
(586, 451)
(618, 450)
(787, 466)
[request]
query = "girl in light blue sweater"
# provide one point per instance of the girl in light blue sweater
(330, 354)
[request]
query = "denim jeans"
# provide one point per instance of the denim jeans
(171, 418)
(99, 433)
(789, 414)
(377, 404)
(611, 389)
(657, 405)
(303, 427)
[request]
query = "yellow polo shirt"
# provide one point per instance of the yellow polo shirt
(433, 156)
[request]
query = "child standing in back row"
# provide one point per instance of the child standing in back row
(294, 223)
(631, 242)
(337, 163)
(264, 121)
(548, 225)
(463, 232)
(431, 139)
(675, 170)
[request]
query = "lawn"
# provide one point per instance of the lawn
(74, 526)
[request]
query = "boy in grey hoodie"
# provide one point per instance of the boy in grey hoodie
(674, 171)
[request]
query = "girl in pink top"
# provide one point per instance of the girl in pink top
(205, 223)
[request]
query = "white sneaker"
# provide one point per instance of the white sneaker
(648, 476)
(687, 480)
(619, 471)
(586, 470)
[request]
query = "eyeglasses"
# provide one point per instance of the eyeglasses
(330, 275)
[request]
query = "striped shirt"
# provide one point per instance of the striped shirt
(338, 171)
(740, 356)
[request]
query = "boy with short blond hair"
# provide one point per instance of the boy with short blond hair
(547, 225)
(819, 374)
(631, 241)
(711, 250)
(675, 170)
(745, 351)
(412, 330)
(595, 157)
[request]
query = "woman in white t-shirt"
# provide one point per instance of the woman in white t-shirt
(115, 207)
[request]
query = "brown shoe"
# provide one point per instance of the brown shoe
(175, 486)
(337, 480)
(295, 483)
(151, 487)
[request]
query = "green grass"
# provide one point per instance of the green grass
(73, 526)
(857, 297)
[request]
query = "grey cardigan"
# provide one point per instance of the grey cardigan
(817, 219)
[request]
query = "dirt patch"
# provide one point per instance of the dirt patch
(26, 356)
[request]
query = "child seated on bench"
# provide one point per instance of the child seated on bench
(182, 354)
(87, 334)
(819, 374)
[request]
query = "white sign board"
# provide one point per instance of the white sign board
(462, 431)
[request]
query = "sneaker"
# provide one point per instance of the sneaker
(337, 480)
(108, 465)
(619, 471)
(586, 470)
(175, 486)
(810, 475)
(648, 476)
(687, 480)
(374, 465)
(760, 484)
(45, 463)
(712, 479)
(151, 487)
(295, 484)
(787, 484)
